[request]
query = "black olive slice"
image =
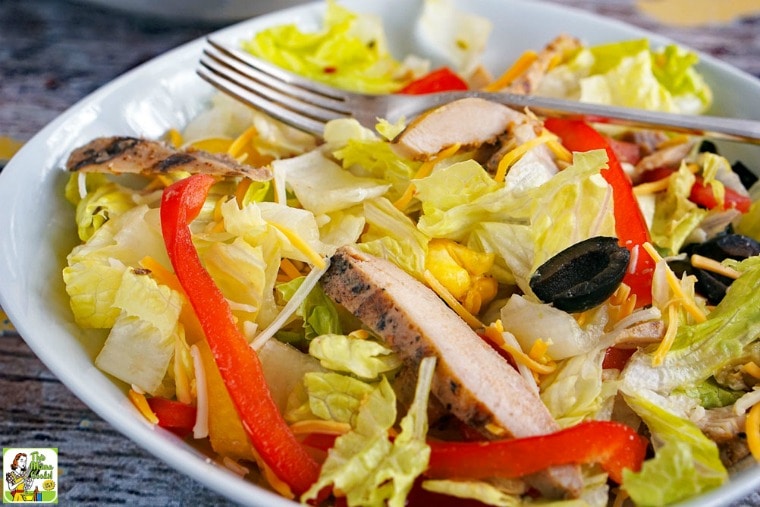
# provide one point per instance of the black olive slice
(583, 275)
(725, 246)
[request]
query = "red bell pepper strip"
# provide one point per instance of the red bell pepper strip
(175, 416)
(238, 363)
(702, 194)
(612, 445)
(630, 226)
(440, 80)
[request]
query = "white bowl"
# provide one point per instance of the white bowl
(212, 12)
(36, 224)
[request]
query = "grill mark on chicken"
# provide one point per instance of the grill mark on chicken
(121, 154)
(471, 380)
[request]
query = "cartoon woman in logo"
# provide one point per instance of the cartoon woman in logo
(18, 478)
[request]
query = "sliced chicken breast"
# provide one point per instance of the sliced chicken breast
(469, 121)
(472, 380)
(121, 154)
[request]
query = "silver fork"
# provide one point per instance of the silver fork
(308, 105)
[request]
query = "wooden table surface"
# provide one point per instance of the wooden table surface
(52, 53)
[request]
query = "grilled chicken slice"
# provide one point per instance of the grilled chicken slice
(141, 156)
(472, 380)
(469, 121)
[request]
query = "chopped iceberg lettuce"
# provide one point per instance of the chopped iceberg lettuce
(629, 73)
(365, 464)
(701, 349)
(364, 358)
(320, 315)
(683, 454)
(141, 343)
(350, 52)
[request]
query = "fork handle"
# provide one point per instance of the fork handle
(715, 127)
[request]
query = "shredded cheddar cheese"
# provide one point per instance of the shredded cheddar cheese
(752, 368)
(288, 268)
(522, 64)
(514, 155)
(670, 336)
(455, 305)
(752, 430)
(238, 147)
(701, 262)
(301, 245)
(141, 403)
(687, 302)
(241, 190)
(425, 169)
(559, 151)
(518, 355)
(175, 138)
(652, 187)
(320, 426)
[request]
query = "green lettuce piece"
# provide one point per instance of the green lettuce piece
(574, 205)
(392, 235)
(95, 268)
(673, 66)
(319, 313)
(240, 271)
(350, 51)
(91, 285)
(99, 205)
(481, 491)
(322, 186)
(629, 73)
(141, 343)
(453, 215)
(701, 349)
(457, 36)
(377, 159)
(366, 359)
(332, 397)
(576, 391)
(683, 454)
(513, 245)
(749, 223)
(364, 463)
(675, 216)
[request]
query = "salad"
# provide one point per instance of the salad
(511, 310)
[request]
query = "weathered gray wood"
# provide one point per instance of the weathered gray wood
(53, 53)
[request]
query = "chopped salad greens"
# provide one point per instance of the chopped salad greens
(208, 288)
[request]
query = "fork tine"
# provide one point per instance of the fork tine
(280, 93)
(278, 78)
(278, 111)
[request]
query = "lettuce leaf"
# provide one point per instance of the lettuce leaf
(392, 235)
(629, 73)
(458, 37)
(334, 397)
(95, 268)
(141, 343)
(683, 454)
(703, 348)
(319, 313)
(349, 52)
(322, 186)
(675, 216)
(364, 463)
(364, 358)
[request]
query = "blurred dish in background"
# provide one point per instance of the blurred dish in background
(697, 12)
(219, 11)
